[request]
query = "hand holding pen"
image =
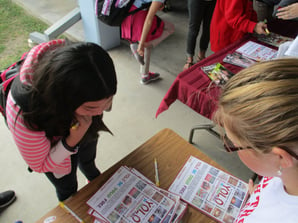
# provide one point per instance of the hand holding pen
(261, 28)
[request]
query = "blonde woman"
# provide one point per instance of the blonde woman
(259, 111)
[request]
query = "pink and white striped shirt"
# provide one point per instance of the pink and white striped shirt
(34, 146)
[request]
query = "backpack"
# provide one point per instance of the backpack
(6, 78)
(113, 12)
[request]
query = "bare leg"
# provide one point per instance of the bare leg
(189, 62)
(144, 69)
(201, 55)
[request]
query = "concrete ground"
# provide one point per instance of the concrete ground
(132, 119)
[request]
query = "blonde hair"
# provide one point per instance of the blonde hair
(259, 105)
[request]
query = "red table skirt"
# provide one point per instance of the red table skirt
(194, 88)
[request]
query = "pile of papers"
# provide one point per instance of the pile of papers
(274, 39)
(238, 59)
(129, 197)
(210, 190)
(257, 52)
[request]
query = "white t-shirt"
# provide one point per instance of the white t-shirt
(270, 203)
(288, 49)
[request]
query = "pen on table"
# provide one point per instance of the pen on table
(156, 173)
(65, 207)
(266, 30)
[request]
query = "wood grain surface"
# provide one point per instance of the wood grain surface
(171, 151)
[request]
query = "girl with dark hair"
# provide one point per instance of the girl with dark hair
(55, 108)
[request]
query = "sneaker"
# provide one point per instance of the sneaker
(149, 77)
(134, 50)
(6, 198)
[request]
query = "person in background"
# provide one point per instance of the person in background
(200, 11)
(288, 12)
(259, 111)
(145, 30)
(231, 20)
(55, 110)
(7, 198)
(264, 9)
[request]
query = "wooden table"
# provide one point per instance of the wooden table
(171, 151)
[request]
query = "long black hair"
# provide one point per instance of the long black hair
(64, 79)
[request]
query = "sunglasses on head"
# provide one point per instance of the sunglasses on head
(230, 147)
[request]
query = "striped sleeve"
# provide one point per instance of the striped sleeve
(34, 146)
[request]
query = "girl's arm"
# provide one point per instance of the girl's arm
(239, 17)
(155, 6)
(35, 147)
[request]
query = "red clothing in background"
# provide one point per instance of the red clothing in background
(230, 21)
(132, 26)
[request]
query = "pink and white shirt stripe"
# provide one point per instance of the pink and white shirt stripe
(34, 146)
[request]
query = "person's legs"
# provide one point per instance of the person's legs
(205, 37)
(167, 31)
(144, 69)
(86, 160)
(134, 48)
(66, 185)
(195, 18)
(146, 75)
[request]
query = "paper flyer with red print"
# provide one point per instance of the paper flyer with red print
(210, 190)
(129, 197)
(257, 52)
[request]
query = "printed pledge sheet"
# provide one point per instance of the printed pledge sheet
(128, 198)
(257, 51)
(210, 190)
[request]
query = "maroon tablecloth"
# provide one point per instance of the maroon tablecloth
(193, 87)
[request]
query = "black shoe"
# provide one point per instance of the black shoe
(6, 198)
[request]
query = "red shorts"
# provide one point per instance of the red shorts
(132, 26)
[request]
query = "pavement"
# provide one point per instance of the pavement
(132, 119)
